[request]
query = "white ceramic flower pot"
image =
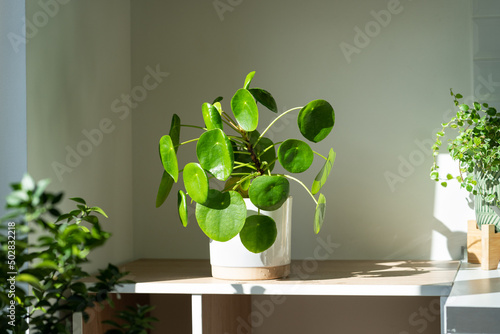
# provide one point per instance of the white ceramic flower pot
(231, 260)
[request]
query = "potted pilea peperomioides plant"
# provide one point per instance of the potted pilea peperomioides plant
(476, 147)
(254, 201)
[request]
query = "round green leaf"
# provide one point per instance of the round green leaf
(175, 131)
(265, 98)
(196, 182)
(259, 233)
(269, 192)
(164, 189)
(248, 79)
(217, 99)
(245, 109)
(222, 216)
(168, 157)
(211, 116)
(215, 153)
(316, 120)
(319, 214)
(182, 206)
(322, 176)
(295, 155)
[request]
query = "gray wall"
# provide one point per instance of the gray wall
(78, 64)
(13, 150)
(486, 51)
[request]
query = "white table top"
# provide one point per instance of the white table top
(321, 278)
(475, 287)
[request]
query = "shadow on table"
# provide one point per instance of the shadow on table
(317, 270)
(152, 270)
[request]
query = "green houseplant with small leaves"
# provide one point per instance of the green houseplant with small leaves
(42, 278)
(476, 148)
(134, 320)
(231, 149)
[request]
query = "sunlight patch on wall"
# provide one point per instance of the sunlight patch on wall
(452, 209)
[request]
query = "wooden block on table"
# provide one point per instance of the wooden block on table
(490, 247)
(483, 246)
(474, 245)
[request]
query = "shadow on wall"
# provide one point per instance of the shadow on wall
(456, 240)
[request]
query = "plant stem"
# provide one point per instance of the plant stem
(319, 155)
(243, 179)
(274, 121)
(236, 138)
(253, 154)
(269, 164)
(249, 165)
(193, 126)
(231, 125)
(232, 122)
(224, 114)
(302, 184)
(268, 148)
(189, 141)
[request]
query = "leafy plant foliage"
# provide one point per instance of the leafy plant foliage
(135, 320)
(476, 146)
(52, 268)
(244, 159)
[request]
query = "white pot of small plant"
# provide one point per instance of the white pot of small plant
(232, 260)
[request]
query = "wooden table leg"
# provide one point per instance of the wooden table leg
(226, 314)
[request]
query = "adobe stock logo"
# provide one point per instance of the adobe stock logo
(407, 166)
(485, 88)
(121, 106)
(372, 29)
(48, 10)
(263, 309)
